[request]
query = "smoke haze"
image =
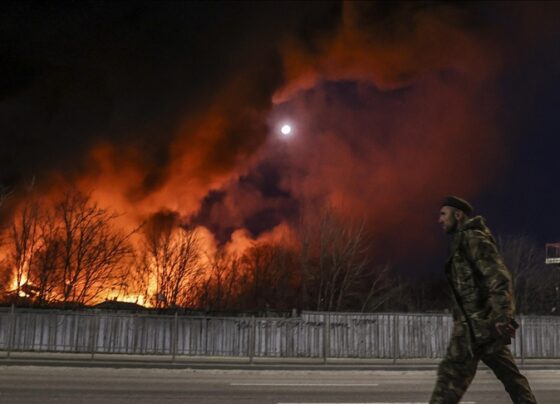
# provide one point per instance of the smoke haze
(174, 107)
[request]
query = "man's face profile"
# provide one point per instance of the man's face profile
(448, 219)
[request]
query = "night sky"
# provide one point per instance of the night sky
(176, 106)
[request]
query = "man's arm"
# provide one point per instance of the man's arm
(483, 253)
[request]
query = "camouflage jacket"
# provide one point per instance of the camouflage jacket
(481, 285)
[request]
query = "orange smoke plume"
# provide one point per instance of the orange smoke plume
(415, 121)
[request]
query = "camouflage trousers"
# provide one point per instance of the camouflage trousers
(457, 370)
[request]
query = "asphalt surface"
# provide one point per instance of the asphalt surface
(77, 385)
(228, 363)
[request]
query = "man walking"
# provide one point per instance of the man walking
(483, 311)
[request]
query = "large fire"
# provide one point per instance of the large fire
(68, 248)
(16, 285)
(183, 197)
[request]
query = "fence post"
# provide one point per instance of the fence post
(252, 339)
(174, 338)
(521, 339)
(94, 327)
(207, 320)
(395, 337)
(326, 341)
(12, 334)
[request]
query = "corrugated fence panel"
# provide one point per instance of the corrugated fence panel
(541, 336)
(313, 335)
(385, 335)
(281, 337)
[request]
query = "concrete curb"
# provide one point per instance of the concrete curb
(68, 360)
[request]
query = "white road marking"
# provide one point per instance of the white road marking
(307, 384)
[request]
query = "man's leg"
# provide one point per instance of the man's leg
(455, 373)
(505, 369)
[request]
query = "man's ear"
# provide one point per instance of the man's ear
(459, 214)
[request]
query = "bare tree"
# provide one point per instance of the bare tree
(45, 271)
(336, 270)
(136, 286)
(269, 282)
(222, 286)
(172, 257)
(91, 249)
(23, 242)
(536, 284)
(382, 288)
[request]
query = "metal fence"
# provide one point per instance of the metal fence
(313, 335)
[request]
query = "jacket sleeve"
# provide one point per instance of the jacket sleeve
(495, 277)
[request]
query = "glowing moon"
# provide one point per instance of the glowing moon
(286, 129)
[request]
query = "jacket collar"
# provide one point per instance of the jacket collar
(475, 223)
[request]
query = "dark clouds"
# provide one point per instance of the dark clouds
(399, 106)
(169, 106)
(390, 114)
(131, 73)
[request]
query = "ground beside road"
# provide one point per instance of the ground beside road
(63, 385)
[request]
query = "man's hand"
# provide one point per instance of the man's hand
(505, 329)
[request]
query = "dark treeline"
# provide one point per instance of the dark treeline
(71, 252)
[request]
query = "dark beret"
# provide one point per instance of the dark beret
(458, 203)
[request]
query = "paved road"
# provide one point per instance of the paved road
(49, 385)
